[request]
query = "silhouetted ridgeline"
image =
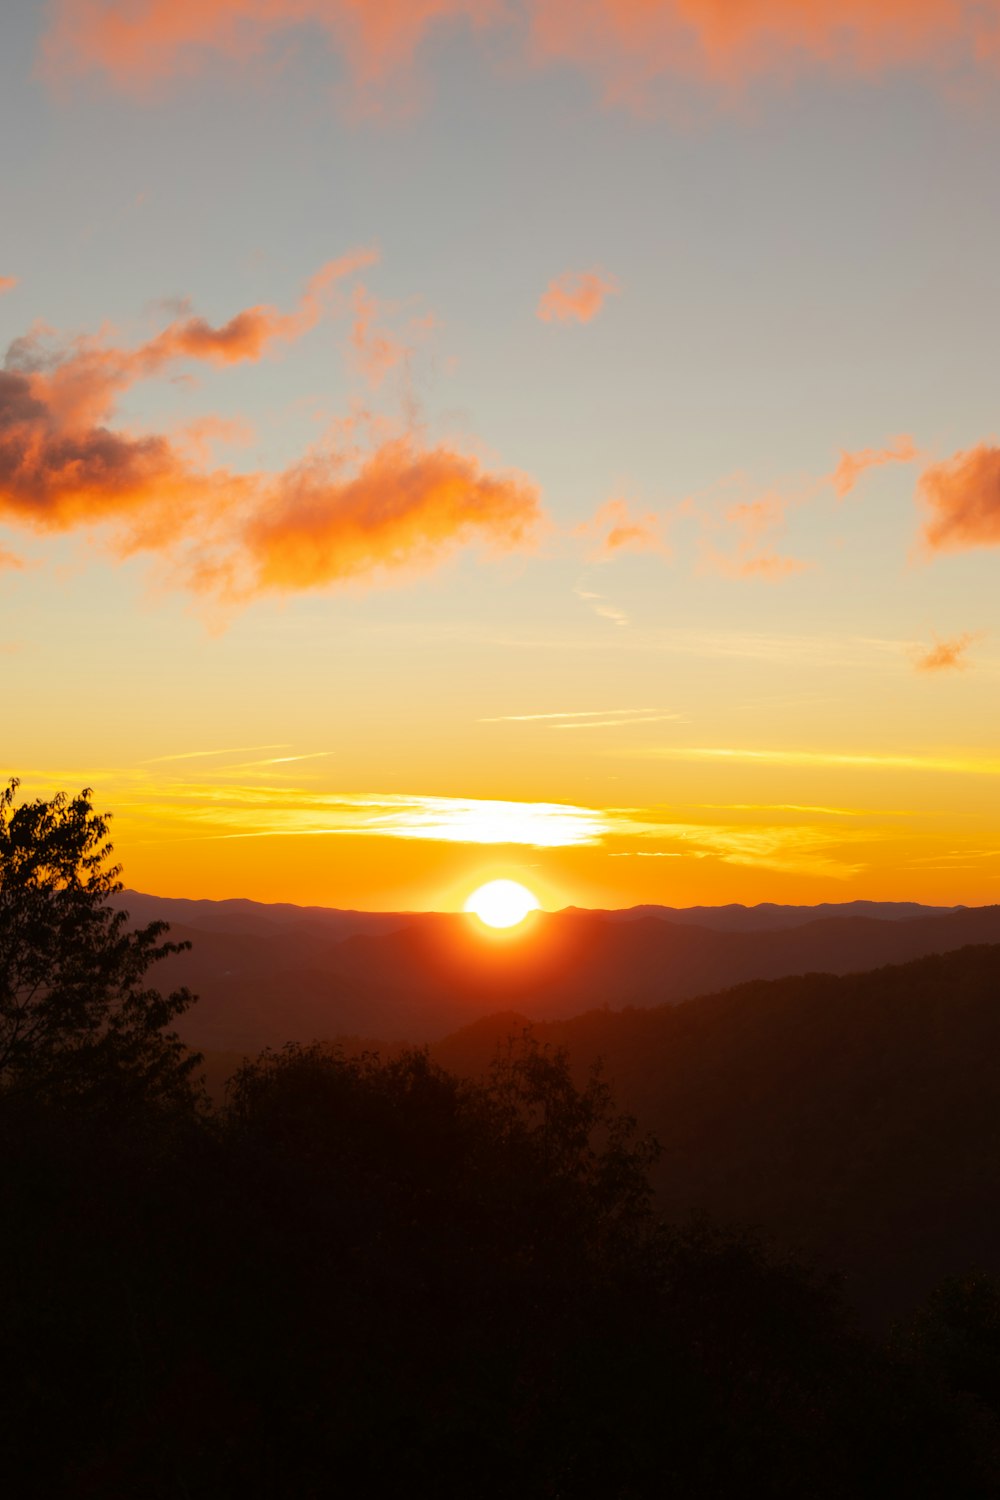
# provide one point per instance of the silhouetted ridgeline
(266, 974)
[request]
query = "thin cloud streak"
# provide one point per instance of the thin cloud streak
(577, 714)
(973, 767)
(617, 723)
(160, 760)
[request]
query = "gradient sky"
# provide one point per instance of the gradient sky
(444, 440)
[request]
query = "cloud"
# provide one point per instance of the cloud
(368, 501)
(576, 296)
(637, 51)
(144, 43)
(615, 529)
(274, 812)
(607, 718)
(593, 713)
(963, 498)
(376, 352)
(831, 759)
(10, 560)
(7, 284)
(947, 654)
(852, 465)
(642, 53)
(249, 334)
(402, 506)
(754, 525)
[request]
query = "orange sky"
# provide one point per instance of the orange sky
(453, 440)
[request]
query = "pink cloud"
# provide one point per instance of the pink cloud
(7, 284)
(962, 496)
(575, 296)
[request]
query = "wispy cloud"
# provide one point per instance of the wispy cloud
(576, 296)
(959, 765)
(279, 760)
(640, 55)
(158, 807)
(576, 714)
(161, 760)
(845, 476)
(7, 284)
(752, 529)
(614, 528)
(617, 723)
(376, 351)
(947, 655)
(265, 813)
(609, 718)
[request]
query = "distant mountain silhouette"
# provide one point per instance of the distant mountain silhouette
(854, 1117)
(267, 975)
(766, 917)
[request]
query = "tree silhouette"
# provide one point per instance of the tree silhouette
(76, 1017)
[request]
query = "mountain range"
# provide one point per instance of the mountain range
(266, 975)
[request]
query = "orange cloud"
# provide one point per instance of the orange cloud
(7, 284)
(946, 654)
(249, 333)
(575, 296)
(400, 507)
(963, 497)
(348, 510)
(59, 459)
(10, 560)
(141, 43)
(852, 465)
(754, 524)
(633, 47)
(615, 530)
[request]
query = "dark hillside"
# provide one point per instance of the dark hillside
(418, 981)
(857, 1117)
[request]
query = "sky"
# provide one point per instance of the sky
(449, 440)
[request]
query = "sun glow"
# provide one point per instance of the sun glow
(501, 903)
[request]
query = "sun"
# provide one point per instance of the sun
(501, 903)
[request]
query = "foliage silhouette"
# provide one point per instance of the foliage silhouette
(370, 1275)
(76, 1017)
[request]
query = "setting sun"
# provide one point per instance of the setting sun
(501, 903)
